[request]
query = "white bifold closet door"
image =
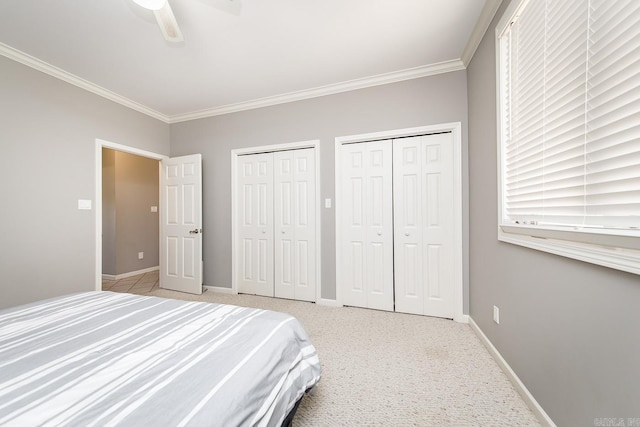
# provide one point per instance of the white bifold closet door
(367, 225)
(397, 229)
(423, 222)
(277, 224)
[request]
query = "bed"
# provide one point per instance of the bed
(104, 358)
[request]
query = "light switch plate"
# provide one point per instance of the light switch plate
(154, 209)
(84, 205)
(327, 203)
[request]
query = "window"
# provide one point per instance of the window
(569, 128)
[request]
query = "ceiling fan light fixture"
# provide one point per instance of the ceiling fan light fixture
(151, 4)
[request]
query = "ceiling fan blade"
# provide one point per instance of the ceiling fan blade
(168, 24)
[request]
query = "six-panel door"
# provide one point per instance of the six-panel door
(181, 224)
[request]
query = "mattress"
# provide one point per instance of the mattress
(104, 358)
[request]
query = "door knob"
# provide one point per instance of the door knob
(264, 231)
(406, 234)
(379, 233)
(196, 231)
(282, 231)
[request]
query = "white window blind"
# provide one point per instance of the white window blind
(570, 114)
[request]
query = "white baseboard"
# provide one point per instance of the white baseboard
(464, 318)
(327, 302)
(130, 274)
(220, 289)
(528, 398)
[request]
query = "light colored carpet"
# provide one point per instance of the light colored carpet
(393, 369)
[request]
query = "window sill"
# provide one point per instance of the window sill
(617, 258)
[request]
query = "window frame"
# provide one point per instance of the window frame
(617, 249)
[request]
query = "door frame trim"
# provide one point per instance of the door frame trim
(99, 145)
(456, 130)
(315, 144)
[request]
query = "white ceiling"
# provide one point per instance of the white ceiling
(265, 52)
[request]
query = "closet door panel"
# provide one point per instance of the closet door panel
(379, 230)
(438, 227)
(424, 233)
(255, 224)
(353, 235)
(407, 190)
(284, 230)
(367, 235)
(304, 221)
(295, 224)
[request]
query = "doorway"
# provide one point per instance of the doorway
(130, 222)
(99, 145)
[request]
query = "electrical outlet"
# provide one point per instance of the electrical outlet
(140, 255)
(496, 314)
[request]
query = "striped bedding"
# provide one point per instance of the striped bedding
(103, 358)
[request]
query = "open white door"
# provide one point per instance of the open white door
(181, 224)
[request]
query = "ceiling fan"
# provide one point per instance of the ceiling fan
(167, 20)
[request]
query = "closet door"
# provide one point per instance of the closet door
(367, 225)
(295, 224)
(255, 224)
(424, 229)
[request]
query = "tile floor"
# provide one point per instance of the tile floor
(140, 284)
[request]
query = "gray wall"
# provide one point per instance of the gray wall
(47, 162)
(130, 186)
(569, 329)
(425, 101)
(137, 228)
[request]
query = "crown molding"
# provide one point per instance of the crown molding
(377, 80)
(39, 65)
(482, 25)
